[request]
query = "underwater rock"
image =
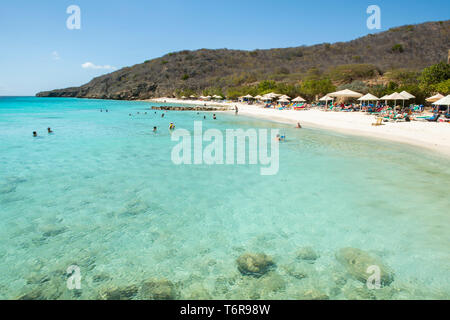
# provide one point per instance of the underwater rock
(198, 292)
(119, 293)
(35, 278)
(52, 231)
(49, 289)
(100, 277)
(352, 293)
(35, 294)
(357, 262)
(271, 282)
(134, 208)
(158, 290)
(307, 253)
(313, 294)
(295, 271)
(386, 293)
(251, 264)
(223, 284)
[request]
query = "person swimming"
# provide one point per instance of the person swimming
(49, 130)
(280, 138)
(34, 134)
(162, 116)
(299, 126)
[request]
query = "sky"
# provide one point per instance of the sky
(39, 52)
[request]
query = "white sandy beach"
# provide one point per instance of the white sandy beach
(433, 136)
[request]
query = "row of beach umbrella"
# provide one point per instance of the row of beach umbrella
(403, 96)
(273, 96)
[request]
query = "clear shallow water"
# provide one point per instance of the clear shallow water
(102, 193)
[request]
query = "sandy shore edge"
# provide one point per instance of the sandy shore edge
(431, 136)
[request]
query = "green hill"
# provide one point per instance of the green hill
(402, 49)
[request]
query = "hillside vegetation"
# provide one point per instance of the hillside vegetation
(395, 58)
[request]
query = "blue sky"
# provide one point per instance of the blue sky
(38, 52)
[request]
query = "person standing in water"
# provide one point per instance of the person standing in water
(49, 130)
(214, 116)
(171, 126)
(299, 126)
(155, 129)
(34, 134)
(236, 110)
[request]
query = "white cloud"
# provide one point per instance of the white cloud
(55, 55)
(90, 65)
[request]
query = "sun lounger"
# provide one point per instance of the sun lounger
(434, 118)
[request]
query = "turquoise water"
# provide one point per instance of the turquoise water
(103, 194)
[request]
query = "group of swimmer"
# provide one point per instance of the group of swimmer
(172, 125)
(49, 131)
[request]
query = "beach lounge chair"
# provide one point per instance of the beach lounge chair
(379, 122)
(434, 118)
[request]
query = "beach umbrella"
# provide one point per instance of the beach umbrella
(193, 97)
(326, 99)
(285, 97)
(397, 96)
(299, 99)
(385, 98)
(345, 94)
(435, 98)
(283, 100)
(183, 97)
(444, 102)
(248, 96)
(407, 95)
(272, 95)
(368, 97)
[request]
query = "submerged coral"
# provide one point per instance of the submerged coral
(254, 264)
(357, 262)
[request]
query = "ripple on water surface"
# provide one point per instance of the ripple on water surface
(101, 193)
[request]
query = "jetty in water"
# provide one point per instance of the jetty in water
(193, 108)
